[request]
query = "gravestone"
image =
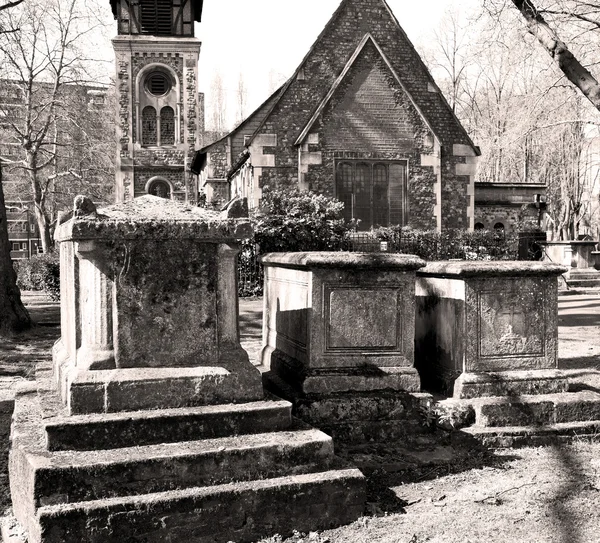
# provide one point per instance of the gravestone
(487, 336)
(152, 424)
(475, 319)
(338, 336)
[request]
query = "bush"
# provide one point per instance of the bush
(40, 272)
(294, 220)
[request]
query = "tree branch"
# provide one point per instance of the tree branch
(566, 61)
(12, 4)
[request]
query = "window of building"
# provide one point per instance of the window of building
(19, 246)
(160, 188)
(158, 83)
(156, 17)
(167, 126)
(149, 135)
(373, 192)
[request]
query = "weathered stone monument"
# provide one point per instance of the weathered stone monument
(487, 335)
(153, 425)
(338, 336)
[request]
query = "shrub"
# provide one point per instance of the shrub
(40, 272)
(294, 220)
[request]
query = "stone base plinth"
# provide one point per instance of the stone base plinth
(360, 414)
(510, 383)
(132, 389)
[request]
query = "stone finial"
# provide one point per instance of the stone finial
(237, 208)
(83, 206)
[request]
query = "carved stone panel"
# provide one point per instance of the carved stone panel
(362, 318)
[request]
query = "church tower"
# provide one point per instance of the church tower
(159, 107)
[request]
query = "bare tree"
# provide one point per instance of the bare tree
(43, 58)
(242, 98)
(450, 53)
(218, 104)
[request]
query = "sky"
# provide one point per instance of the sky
(265, 40)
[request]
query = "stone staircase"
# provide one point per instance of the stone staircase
(200, 474)
(583, 279)
(530, 419)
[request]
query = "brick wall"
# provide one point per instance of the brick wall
(514, 218)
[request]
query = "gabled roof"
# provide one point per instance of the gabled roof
(434, 108)
(366, 39)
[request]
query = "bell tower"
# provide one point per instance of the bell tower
(158, 123)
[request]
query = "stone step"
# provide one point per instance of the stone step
(542, 409)
(116, 430)
(532, 436)
(240, 512)
(584, 283)
(74, 476)
(136, 389)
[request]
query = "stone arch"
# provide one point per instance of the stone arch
(479, 226)
(171, 98)
(159, 186)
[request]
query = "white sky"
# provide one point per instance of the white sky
(259, 38)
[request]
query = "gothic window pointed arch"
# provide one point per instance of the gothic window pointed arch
(149, 126)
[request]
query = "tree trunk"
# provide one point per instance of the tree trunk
(569, 65)
(44, 228)
(14, 317)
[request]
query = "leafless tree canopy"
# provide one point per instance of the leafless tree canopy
(51, 126)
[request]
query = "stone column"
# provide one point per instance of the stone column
(95, 298)
(227, 298)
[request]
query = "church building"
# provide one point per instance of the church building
(361, 119)
(160, 117)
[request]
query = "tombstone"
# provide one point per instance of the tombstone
(153, 424)
(338, 341)
(480, 319)
(487, 335)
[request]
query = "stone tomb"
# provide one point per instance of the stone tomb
(153, 425)
(487, 336)
(338, 336)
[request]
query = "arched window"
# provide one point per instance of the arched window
(160, 188)
(499, 230)
(149, 135)
(479, 226)
(167, 126)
